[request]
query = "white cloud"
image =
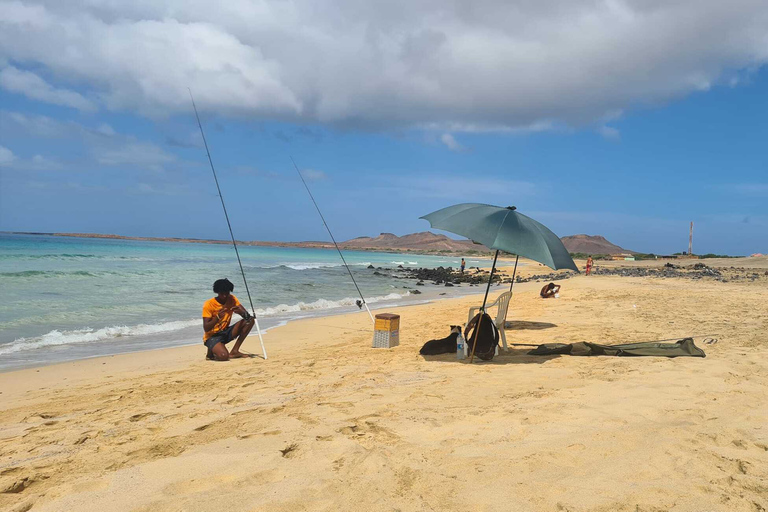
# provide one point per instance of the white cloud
(750, 189)
(467, 189)
(36, 163)
(105, 145)
(497, 65)
(41, 163)
(451, 143)
(313, 174)
(6, 156)
(34, 87)
(609, 132)
(161, 189)
(132, 152)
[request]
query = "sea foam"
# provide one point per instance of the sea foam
(87, 335)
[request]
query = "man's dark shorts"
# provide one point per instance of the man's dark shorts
(224, 337)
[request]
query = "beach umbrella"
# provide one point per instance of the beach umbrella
(503, 229)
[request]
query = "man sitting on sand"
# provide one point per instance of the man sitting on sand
(217, 313)
(549, 291)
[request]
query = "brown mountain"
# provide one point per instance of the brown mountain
(417, 242)
(592, 244)
(424, 241)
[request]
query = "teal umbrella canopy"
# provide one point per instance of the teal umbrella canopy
(504, 229)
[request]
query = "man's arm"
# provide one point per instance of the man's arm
(240, 310)
(209, 323)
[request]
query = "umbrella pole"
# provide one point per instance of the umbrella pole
(510, 288)
(513, 274)
(482, 310)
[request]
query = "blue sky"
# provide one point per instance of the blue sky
(109, 144)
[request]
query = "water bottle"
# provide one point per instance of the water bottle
(461, 346)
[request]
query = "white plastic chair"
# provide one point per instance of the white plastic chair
(502, 303)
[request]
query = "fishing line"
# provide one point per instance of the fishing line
(226, 215)
(363, 303)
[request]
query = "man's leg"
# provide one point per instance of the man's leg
(241, 330)
(220, 352)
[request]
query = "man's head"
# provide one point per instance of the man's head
(223, 287)
(551, 286)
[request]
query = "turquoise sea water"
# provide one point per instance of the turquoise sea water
(67, 298)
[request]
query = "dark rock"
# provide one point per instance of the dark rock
(370, 266)
(415, 292)
(420, 283)
(448, 284)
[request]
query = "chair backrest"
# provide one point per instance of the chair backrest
(503, 300)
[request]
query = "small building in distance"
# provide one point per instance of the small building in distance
(623, 257)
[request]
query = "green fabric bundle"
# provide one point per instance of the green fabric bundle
(684, 347)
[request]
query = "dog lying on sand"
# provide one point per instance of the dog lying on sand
(446, 345)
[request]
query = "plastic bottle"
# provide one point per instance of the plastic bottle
(461, 346)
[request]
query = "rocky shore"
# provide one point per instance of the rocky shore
(697, 271)
(448, 276)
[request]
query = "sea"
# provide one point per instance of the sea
(69, 298)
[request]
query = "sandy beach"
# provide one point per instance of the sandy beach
(328, 423)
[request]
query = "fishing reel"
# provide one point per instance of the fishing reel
(359, 304)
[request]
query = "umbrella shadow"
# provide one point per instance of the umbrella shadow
(522, 325)
(513, 356)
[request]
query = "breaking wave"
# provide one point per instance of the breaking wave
(321, 304)
(87, 335)
(306, 266)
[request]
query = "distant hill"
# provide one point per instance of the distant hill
(592, 244)
(424, 241)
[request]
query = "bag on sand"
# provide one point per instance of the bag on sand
(488, 337)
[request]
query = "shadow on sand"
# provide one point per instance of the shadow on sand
(522, 325)
(514, 356)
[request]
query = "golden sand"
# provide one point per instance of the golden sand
(328, 423)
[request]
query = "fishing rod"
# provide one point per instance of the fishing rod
(362, 299)
(226, 215)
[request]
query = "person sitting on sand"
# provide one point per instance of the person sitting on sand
(217, 313)
(549, 290)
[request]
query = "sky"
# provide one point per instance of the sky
(627, 119)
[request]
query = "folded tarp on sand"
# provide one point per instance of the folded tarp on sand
(684, 347)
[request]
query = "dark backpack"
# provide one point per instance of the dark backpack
(487, 340)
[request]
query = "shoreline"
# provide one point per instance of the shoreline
(189, 353)
(304, 315)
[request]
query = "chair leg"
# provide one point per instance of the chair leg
(503, 338)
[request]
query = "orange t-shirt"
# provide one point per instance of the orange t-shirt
(212, 308)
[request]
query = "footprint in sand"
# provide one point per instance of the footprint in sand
(141, 416)
(290, 450)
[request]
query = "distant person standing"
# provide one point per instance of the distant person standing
(589, 264)
(463, 264)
